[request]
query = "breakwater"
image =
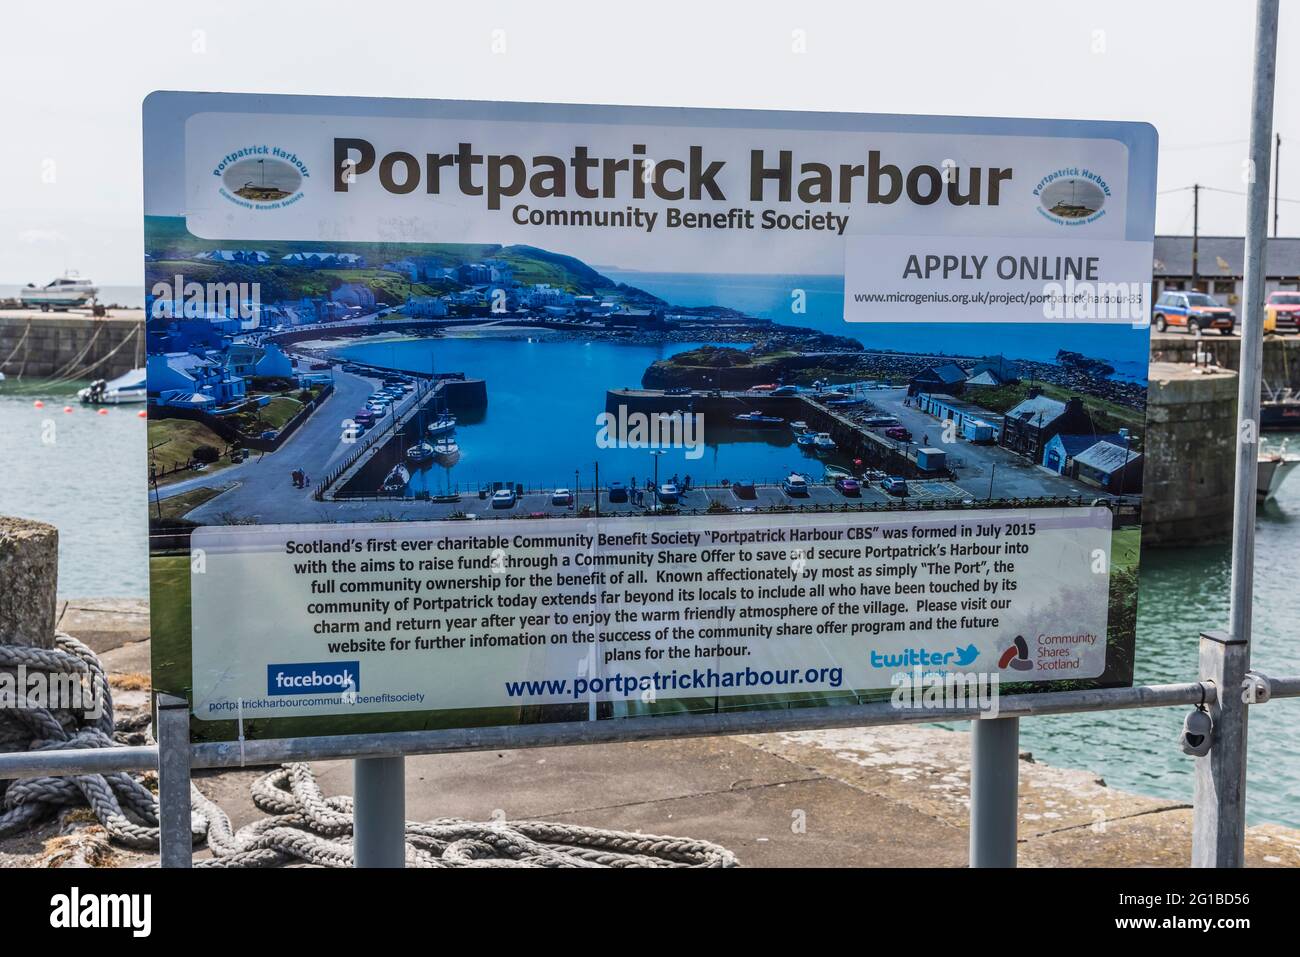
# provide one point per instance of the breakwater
(37, 346)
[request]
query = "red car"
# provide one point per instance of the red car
(899, 433)
(1282, 312)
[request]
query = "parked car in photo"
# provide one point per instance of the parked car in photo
(562, 496)
(504, 498)
(744, 488)
(848, 486)
(795, 485)
(893, 485)
(617, 492)
(1282, 311)
(786, 390)
(669, 493)
(1194, 311)
(899, 433)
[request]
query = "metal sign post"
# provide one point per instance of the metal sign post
(176, 848)
(994, 791)
(379, 824)
(1220, 789)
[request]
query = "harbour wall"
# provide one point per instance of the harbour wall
(1187, 495)
(36, 346)
(1281, 364)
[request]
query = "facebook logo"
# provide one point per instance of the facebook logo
(314, 677)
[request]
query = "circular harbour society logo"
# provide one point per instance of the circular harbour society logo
(261, 177)
(1072, 196)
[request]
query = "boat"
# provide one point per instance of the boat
(822, 442)
(397, 479)
(444, 424)
(1274, 467)
(67, 291)
(844, 402)
(126, 388)
(446, 451)
(806, 439)
(799, 425)
(758, 419)
(834, 472)
(795, 485)
(1279, 410)
(419, 453)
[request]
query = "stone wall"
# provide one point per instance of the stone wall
(1190, 455)
(43, 346)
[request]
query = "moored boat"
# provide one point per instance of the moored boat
(757, 419)
(419, 453)
(126, 388)
(444, 424)
(446, 450)
(397, 479)
(1274, 467)
(822, 442)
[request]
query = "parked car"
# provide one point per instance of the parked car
(893, 485)
(1282, 312)
(786, 390)
(848, 486)
(1194, 311)
(504, 498)
(744, 488)
(562, 496)
(899, 433)
(617, 492)
(669, 493)
(364, 417)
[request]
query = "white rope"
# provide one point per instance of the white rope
(303, 825)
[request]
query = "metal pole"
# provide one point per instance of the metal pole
(1219, 779)
(994, 787)
(176, 845)
(1219, 801)
(379, 809)
(1252, 331)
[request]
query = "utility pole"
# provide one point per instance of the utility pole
(1277, 170)
(1196, 224)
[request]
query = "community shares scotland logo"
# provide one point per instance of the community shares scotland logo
(1072, 196)
(261, 177)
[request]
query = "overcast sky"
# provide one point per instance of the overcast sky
(76, 72)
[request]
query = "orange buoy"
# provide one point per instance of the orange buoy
(67, 408)
(38, 404)
(142, 414)
(102, 412)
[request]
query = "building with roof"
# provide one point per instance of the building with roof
(1115, 468)
(947, 378)
(1061, 449)
(1220, 265)
(1029, 426)
(353, 295)
(182, 374)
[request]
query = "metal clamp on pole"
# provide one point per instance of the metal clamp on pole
(173, 733)
(1256, 688)
(994, 791)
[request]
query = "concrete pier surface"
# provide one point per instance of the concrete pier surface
(873, 797)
